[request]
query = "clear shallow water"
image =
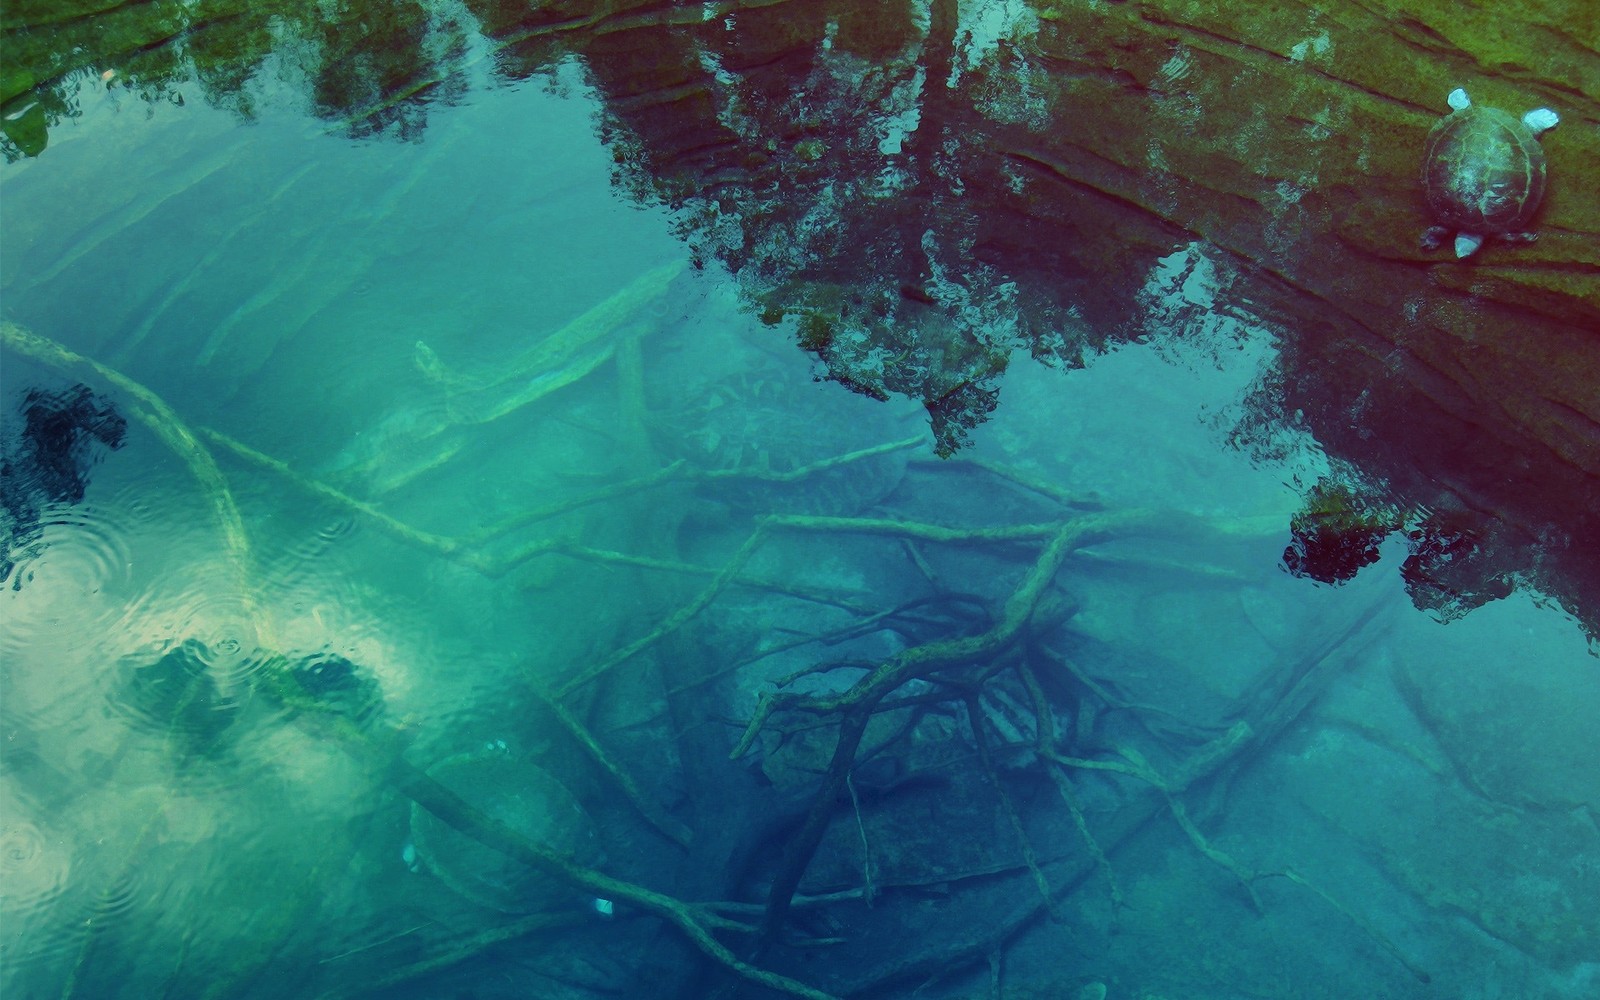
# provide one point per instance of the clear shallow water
(459, 333)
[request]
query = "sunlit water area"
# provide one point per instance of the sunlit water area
(764, 501)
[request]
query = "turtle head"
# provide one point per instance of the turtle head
(1459, 101)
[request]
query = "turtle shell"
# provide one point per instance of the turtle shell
(1483, 171)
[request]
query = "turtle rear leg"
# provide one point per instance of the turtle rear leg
(1433, 237)
(1518, 237)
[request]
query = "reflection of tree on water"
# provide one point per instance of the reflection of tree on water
(1449, 568)
(916, 192)
(372, 68)
(915, 233)
(831, 167)
(811, 213)
(46, 463)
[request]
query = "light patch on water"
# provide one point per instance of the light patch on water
(894, 128)
(1016, 181)
(1173, 101)
(1022, 100)
(1315, 129)
(1177, 68)
(1186, 277)
(1193, 319)
(983, 25)
(1155, 155)
(1290, 192)
(890, 181)
(1317, 47)
(1015, 91)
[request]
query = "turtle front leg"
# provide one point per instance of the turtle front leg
(1519, 237)
(1433, 237)
(1467, 244)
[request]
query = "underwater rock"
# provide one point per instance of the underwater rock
(1336, 534)
(1512, 734)
(1450, 569)
(177, 696)
(339, 685)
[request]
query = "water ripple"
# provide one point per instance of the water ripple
(305, 559)
(226, 622)
(65, 582)
(118, 900)
(33, 867)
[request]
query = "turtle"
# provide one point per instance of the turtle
(1483, 172)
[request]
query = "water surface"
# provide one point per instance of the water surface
(546, 393)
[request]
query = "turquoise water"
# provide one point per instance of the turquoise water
(426, 437)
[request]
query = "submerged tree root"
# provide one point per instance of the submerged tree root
(949, 670)
(856, 705)
(696, 923)
(942, 662)
(1296, 687)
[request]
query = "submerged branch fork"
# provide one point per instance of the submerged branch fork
(1065, 536)
(856, 704)
(692, 921)
(927, 658)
